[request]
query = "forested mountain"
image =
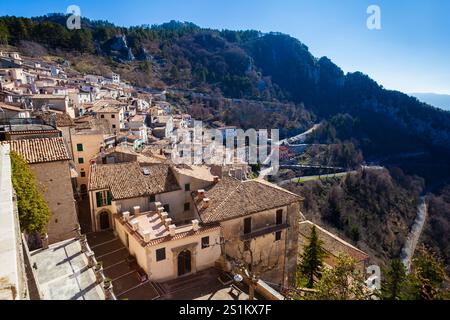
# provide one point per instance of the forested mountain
(245, 64)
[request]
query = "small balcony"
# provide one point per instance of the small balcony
(264, 231)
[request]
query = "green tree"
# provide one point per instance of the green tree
(343, 282)
(174, 72)
(4, 33)
(33, 211)
(81, 40)
(429, 275)
(312, 259)
(395, 281)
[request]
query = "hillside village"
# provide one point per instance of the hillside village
(126, 221)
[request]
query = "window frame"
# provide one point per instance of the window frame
(248, 225)
(205, 242)
(80, 147)
(278, 236)
(160, 254)
(103, 198)
(279, 217)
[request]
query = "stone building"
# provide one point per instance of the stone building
(120, 187)
(259, 225)
(49, 160)
(62, 122)
(164, 250)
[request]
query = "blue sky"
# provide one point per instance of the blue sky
(410, 53)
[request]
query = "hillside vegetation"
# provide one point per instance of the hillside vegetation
(373, 209)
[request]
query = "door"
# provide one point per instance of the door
(104, 221)
(184, 263)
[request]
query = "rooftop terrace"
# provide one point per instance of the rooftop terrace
(63, 273)
(152, 228)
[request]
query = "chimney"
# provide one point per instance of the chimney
(168, 222)
(158, 204)
(146, 236)
(137, 210)
(205, 203)
(160, 211)
(195, 225)
(134, 225)
(126, 216)
(172, 230)
(164, 216)
(201, 194)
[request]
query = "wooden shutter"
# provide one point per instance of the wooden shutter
(98, 195)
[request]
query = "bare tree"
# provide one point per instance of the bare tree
(252, 265)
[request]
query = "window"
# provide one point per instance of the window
(83, 174)
(247, 225)
(104, 198)
(187, 187)
(247, 245)
(278, 236)
(80, 160)
(279, 217)
(161, 254)
(187, 206)
(113, 116)
(205, 242)
(79, 147)
(113, 126)
(167, 208)
(152, 198)
(102, 116)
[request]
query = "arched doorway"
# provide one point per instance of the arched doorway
(184, 263)
(104, 221)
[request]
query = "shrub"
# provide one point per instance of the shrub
(33, 211)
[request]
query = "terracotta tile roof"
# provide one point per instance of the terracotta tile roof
(33, 132)
(231, 198)
(61, 119)
(107, 106)
(127, 180)
(40, 150)
(331, 243)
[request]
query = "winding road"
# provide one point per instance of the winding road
(298, 139)
(414, 235)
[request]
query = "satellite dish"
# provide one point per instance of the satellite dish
(238, 278)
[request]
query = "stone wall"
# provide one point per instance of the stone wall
(55, 184)
(294, 218)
